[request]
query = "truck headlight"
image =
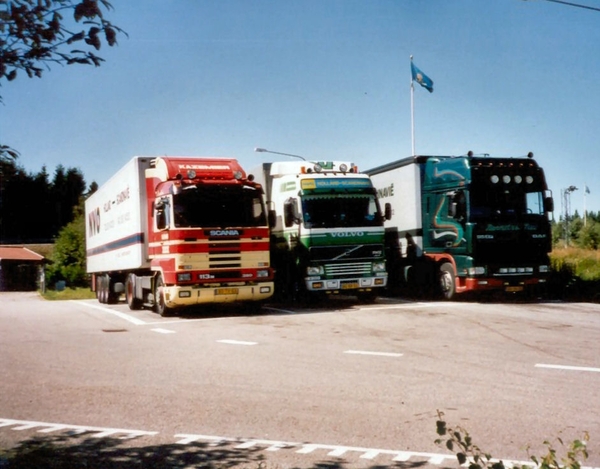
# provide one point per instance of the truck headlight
(472, 271)
(544, 269)
(262, 273)
(315, 270)
(378, 266)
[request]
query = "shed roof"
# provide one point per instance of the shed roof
(19, 254)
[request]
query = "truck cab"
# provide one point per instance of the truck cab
(327, 231)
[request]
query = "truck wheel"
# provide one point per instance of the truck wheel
(111, 296)
(447, 281)
(159, 298)
(100, 289)
(133, 302)
(104, 291)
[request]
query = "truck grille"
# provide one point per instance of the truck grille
(347, 252)
(224, 261)
(225, 255)
(357, 269)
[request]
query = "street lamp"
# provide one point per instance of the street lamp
(566, 193)
(264, 150)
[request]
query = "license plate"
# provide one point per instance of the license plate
(227, 291)
(513, 289)
(349, 286)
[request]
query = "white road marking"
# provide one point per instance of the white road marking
(370, 454)
(570, 368)
(336, 453)
(402, 306)
(279, 310)
(247, 444)
(46, 427)
(366, 352)
(186, 439)
(27, 426)
(53, 429)
(402, 456)
(242, 443)
(140, 322)
(236, 342)
(339, 451)
(163, 331)
(184, 320)
(127, 317)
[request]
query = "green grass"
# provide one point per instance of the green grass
(584, 263)
(77, 293)
(575, 274)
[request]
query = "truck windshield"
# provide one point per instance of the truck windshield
(498, 203)
(218, 206)
(340, 210)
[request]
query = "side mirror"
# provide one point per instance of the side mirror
(272, 218)
(290, 212)
(388, 211)
(161, 207)
(549, 204)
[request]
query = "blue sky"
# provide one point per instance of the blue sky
(326, 79)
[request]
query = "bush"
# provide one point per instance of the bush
(69, 255)
(458, 440)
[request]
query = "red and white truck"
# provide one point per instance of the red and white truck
(171, 232)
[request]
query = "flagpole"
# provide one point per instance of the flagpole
(585, 191)
(412, 110)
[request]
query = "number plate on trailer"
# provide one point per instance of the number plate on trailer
(226, 291)
(513, 289)
(349, 285)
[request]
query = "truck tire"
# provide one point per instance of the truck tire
(133, 302)
(103, 290)
(100, 292)
(111, 297)
(447, 281)
(159, 298)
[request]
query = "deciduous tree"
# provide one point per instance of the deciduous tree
(35, 34)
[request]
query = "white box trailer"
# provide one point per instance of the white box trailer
(116, 228)
(400, 186)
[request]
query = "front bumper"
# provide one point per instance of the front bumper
(510, 285)
(346, 284)
(181, 296)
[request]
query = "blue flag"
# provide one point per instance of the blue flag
(421, 78)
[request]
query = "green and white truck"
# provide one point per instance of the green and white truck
(466, 223)
(327, 233)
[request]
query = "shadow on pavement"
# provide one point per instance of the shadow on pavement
(74, 452)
